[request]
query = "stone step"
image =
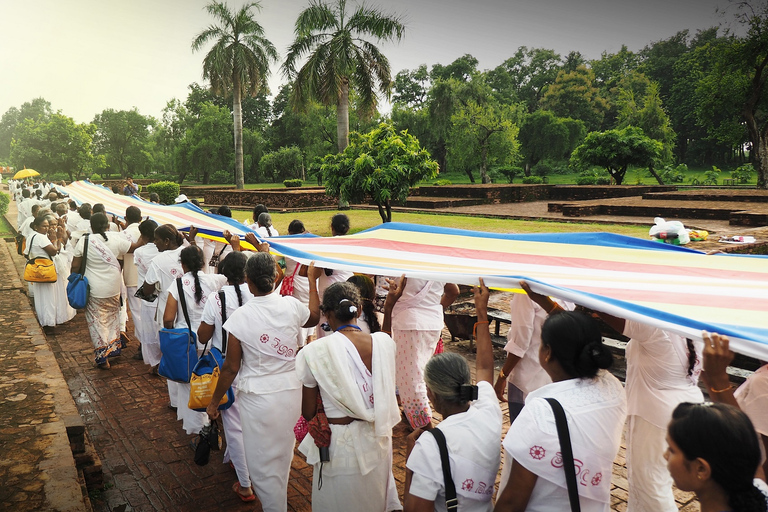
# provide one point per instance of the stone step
(442, 202)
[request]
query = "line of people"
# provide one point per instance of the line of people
(347, 381)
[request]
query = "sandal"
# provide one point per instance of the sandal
(103, 366)
(237, 487)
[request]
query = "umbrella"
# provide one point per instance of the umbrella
(25, 173)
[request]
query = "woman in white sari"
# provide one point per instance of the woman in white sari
(44, 242)
(262, 346)
(354, 374)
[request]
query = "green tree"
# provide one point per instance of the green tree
(207, 144)
(616, 150)
(238, 63)
(55, 145)
(649, 115)
(37, 110)
(283, 164)
(543, 135)
(739, 76)
(574, 95)
(340, 59)
(121, 137)
(524, 76)
(381, 164)
(482, 135)
(411, 87)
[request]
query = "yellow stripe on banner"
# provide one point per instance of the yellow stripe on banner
(743, 317)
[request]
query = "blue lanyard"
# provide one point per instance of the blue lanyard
(348, 325)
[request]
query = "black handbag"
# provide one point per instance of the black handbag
(208, 439)
(451, 501)
(567, 450)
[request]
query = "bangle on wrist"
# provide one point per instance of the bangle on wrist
(474, 331)
(729, 388)
(502, 375)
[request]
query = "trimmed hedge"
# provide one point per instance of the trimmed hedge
(167, 190)
(5, 199)
(293, 183)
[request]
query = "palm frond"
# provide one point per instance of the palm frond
(370, 21)
(363, 83)
(317, 17)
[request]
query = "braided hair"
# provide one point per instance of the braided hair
(99, 224)
(691, 355)
(367, 291)
(233, 268)
(192, 258)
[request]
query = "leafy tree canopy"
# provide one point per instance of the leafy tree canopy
(575, 95)
(543, 135)
(616, 150)
(382, 164)
(121, 137)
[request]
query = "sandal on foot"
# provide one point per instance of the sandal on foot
(237, 487)
(103, 366)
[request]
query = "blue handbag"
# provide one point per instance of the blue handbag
(179, 347)
(78, 288)
(207, 371)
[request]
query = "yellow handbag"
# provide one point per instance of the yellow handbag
(40, 270)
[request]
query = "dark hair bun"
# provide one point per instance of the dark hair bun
(595, 355)
(345, 310)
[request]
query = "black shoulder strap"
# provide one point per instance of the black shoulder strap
(85, 254)
(29, 246)
(567, 451)
(183, 301)
(223, 298)
(451, 502)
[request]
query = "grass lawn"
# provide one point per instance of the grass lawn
(318, 222)
(5, 228)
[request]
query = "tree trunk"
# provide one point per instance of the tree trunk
(484, 164)
(389, 211)
(761, 157)
(342, 117)
(655, 174)
(471, 176)
(342, 127)
(237, 109)
(382, 214)
(385, 211)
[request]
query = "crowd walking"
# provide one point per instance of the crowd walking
(313, 365)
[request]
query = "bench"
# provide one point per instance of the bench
(729, 181)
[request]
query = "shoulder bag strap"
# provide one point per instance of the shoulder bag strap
(183, 301)
(567, 450)
(85, 254)
(29, 247)
(451, 502)
(223, 298)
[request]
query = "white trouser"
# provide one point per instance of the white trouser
(233, 431)
(650, 484)
(268, 422)
(134, 304)
(148, 334)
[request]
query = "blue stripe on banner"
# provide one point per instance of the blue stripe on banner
(594, 239)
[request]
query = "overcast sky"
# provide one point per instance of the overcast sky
(88, 55)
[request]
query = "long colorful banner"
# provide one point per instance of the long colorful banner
(675, 288)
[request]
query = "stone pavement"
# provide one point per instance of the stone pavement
(36, 467)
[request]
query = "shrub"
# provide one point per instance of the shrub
(5, 199)
(671, 174)
(710, 177)
(442, 183)
(222, 177)
(96, 177)
(167, 190)
(509, 172)
(545, 168)
(743, 174)
(293, 183)
(594, 177)
(533, 180)
(285, 163)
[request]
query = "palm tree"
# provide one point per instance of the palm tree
(238, 62)
(339, 59)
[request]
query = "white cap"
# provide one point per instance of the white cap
(180, 199)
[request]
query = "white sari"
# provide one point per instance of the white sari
(359, 474)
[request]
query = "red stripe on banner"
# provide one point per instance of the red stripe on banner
(534, 259)
(670, 296)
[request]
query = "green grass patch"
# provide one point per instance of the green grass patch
(319, 223)
(5, 228)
